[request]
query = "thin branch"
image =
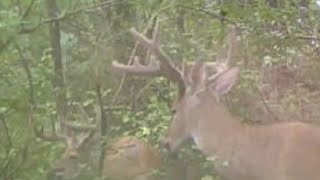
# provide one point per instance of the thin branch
(6, 132)
(24, 156)
(5, 44)
(119, 108)
(78, 127)
(101, 116)
(26, 13)
(141, 91)
(221, 18)
(32, 101)
(315, 38)
(18, 4)
(63, 16)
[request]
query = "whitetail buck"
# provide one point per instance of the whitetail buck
(285, 151)
(127, 158)
(78, 141)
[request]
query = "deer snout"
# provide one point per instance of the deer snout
(165, 143)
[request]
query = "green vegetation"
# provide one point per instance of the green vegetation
(55, 66)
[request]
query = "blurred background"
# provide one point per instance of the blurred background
(62, 105)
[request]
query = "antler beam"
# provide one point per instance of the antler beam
(166, 67)
(137, 68)
(53, 137)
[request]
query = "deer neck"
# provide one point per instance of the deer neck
(216, 132)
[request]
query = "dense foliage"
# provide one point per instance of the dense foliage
(55, 61)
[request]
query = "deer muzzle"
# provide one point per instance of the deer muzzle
(166, 144)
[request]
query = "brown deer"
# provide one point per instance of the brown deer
(78, 139)
(131, 158)
(125, 158)
(284, 151)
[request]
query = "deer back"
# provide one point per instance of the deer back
(130, 157)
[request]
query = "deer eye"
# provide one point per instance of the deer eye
(173, 111)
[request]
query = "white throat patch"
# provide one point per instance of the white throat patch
(197, 141)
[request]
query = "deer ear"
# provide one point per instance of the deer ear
(225, 81)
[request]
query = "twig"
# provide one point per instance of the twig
(50, 20)
(24, 156)
(221, 18)
(119, 108)
(142, 90)
(5, 44)
(32, 100)
(65, 15)
(306, 37)
(26, 13)
(78, 127)
(6, 132)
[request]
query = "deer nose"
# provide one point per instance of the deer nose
(166, 144)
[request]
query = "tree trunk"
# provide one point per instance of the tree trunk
(58, 82)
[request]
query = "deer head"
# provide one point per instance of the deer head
(76, 139)
(200, 90)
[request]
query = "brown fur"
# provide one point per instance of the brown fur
(284, 151)
(129, 158)
(287, 151)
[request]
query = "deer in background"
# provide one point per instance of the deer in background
(283, 151)
(131, 158)
(125, 158)
(78, 139)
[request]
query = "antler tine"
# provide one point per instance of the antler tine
(78, 127)
(137, 68)
(85, 139)
(232, 37)
(221, 67)
(166, 67)
(54, 137)
(156, 34)
(90, 131)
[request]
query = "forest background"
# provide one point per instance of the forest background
(55, 69)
